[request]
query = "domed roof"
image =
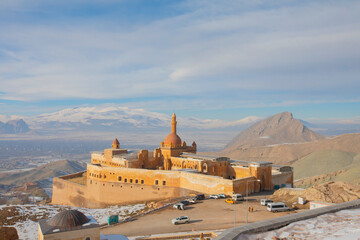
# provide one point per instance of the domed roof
(68, 219)
(172, 139)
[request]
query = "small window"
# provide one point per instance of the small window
(136, 181)
(164, 183)
(142, 181)
(131, 181)
(125, 180)
(156, 182)
(119, 178)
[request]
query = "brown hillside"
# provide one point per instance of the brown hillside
(277, 129)
(288, 153)
(333, 192)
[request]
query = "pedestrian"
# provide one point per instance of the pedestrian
(249, 209)
(252, 209)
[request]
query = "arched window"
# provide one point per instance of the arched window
(164, 183)
(205, 168)
(156, 182)
(119, 178)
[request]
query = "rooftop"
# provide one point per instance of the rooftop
(203, 157)
(67, 220)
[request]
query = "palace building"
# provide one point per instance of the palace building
(118, 176)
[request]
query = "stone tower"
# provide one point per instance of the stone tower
(116, 144)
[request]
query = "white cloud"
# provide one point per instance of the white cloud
(212, 48)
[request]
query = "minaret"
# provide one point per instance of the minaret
(173, 124)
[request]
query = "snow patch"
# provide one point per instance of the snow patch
(28, 229)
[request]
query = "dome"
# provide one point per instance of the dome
(68, 219)
(172, 139)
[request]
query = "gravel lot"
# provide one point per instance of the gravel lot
(209, 214)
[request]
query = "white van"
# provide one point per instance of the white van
(277, 207)
(265, 202)
(237, 197)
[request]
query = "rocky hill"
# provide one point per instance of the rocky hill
(281, 128)
(333, 192)
(287, 154)
(14, 127)
(283, 140)
(43, 174)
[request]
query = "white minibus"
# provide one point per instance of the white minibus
(277, 207)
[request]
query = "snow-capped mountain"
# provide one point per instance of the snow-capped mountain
(114, 118)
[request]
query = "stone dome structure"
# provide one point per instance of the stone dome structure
(173, 139)
(68, 219)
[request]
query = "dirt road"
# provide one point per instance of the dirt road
(208, 214)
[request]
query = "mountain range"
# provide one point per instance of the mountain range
(99, 120)
(14, 127)
(43, 174)
(112, 118)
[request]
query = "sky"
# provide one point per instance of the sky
(208, 59)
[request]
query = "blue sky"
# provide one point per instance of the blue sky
(209, 59)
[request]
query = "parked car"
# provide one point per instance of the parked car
(238, 197)
(214, 196)
(265, 202)
(191, 200)
(199, 197)
(180, 220)
(221, 195)
(179, 206)
(185, 202)
(277, 207)
(230, 200)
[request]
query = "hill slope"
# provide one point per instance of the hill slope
(43, 173)
(322, 162)
(289, 153)
(277, 129)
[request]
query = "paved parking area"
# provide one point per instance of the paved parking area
(209, 214)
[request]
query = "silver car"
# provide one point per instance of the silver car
(180, 206)
(180, 220)
(214, 196)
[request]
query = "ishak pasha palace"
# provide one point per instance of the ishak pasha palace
(118, 176)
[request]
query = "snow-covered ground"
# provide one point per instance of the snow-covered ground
(343, 225)
(28, 229)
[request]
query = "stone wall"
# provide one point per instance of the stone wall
(93, 233)
(283, 178)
